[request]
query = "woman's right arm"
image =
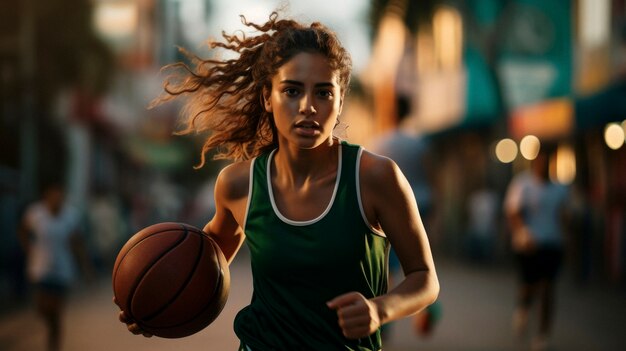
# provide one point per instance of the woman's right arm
(231, 199)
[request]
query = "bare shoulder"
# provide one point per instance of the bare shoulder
(384, 190)
(233, 181)
(376, 170)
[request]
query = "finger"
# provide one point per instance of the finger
(356, 333)
(345, 299)
(135, 329)
(356, 309)
(359, 321)
(123, 317)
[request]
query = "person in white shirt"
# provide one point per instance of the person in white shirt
(535, 208)
(49, 236)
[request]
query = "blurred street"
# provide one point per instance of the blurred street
(476, 301)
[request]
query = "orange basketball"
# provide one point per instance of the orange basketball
(171, 279)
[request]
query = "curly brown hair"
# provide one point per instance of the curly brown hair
(225, 96)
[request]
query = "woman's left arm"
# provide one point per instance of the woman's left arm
(389, 204)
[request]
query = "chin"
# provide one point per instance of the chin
(306, 143)
(312, 143)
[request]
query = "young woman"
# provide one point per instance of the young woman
(317, 213)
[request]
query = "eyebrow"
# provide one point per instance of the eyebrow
(298, 83)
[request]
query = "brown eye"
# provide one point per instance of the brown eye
(291, 92)
(326, 94)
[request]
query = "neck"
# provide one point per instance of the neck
(300, 165)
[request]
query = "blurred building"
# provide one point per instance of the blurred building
(483, 71)
(74, 87)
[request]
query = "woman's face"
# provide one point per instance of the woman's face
(305, 100)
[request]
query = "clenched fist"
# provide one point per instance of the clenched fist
(358, 317)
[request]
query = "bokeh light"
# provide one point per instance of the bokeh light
(506, 150)
(448, 37)
(116, 20)
(565, 164)
(614, 136)
(529, 147)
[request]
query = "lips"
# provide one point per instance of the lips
(307, 128)
(307, 124)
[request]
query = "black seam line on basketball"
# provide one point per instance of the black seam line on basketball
(218, 287)
(140, 241)
(128, 251)
(183, 286)
(134, 289)
(201, 311)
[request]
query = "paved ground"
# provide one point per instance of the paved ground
(476, 301)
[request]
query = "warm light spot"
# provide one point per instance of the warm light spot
(506, 150)
(116, 19)
(529, 147)
(389, 46)
(594, 22)
(614, 136)
(565, 164)
(448, 37)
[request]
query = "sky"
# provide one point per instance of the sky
(346, 17)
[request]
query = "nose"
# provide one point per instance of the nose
(306, 105)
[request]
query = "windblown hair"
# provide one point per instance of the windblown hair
(225, 97)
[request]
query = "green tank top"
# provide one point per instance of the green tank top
(297, 266)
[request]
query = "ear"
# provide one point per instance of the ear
(267, 102)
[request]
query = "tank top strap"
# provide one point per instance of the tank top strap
(350, 188)
(258, 195)
(348, 192)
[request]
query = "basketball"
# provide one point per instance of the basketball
(171, 279)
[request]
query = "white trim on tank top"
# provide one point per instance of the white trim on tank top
(358, 195)
(311, 221)
(249, 201)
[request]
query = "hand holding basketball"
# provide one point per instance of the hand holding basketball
(131, 325)
(358, 317)
(170, 280)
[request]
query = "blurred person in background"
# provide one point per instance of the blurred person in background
(50, 237)
(535, 210)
